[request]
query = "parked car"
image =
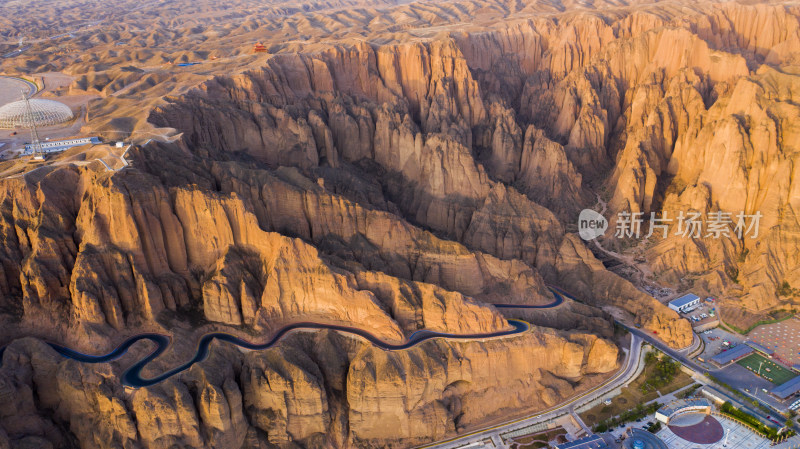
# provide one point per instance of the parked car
(774, 420)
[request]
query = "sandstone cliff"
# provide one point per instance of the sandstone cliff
(392, 172)
(314, 390)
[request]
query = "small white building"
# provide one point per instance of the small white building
(56, 146)
(685, 303)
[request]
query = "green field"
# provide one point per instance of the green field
(777, 374)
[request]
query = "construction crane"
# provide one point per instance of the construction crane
(30, 120)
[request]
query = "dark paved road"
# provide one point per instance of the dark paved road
(133, 375)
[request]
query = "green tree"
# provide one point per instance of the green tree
(785, 289)
(733, 273)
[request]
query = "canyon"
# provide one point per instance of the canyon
(396, 167)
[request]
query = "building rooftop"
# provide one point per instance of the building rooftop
(640, 439)
(674, 406)
(788, 388)
(760, 348)
(63, 144)
(717, 395)
(590, 442)
(732, 354)
(683, 300)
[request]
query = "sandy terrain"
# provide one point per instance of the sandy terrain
(396, 166)
(11, 89)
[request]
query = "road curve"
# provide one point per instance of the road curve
(682, 357)
(475, 436)
(32, 87)
(132, 377)
(11, 88)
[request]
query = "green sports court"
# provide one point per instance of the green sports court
(770, 370)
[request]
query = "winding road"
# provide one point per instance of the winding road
(132, 377)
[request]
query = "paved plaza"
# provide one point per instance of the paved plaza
(738, 437)
(698, 428)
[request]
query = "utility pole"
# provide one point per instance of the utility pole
(30, 120)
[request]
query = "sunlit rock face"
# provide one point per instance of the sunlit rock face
(390, 171)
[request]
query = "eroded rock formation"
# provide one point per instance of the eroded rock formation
(396, 183)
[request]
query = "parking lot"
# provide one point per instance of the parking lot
(618, 432)
(749, 383)
(714, 343)
(706, 309)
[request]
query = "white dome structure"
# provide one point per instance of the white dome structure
(45, 113)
